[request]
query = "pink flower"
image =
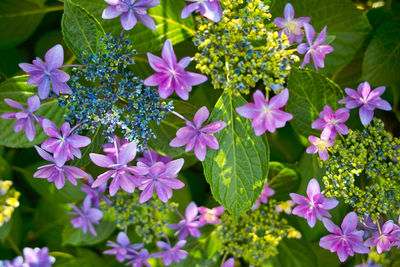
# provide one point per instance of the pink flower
(332, 122)
(171, 254)
(267, 192)
(210, 9)
(189, 224)
(320, 145)
(210, 216)
(382, 240)
(87, 215)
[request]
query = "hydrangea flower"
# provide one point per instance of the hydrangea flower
(130, 11)
(188, 225)
(26, 118)
(332, 122)
(140, 259)
(86, 216)
(229, 263)
(193, 135)
(344, 241)
(320, 145)
(150, 157)
(112, 148)
(95, 194)
(57, 173)
(285, 206)
(315, 49)
(123, 249)
(42, 73)
(210, 216)
(38, 257)
(266, 115)
(162, 178)
(64, 144)
(267, 192)
(315, 206)
(291, 26)
(171, 254)
(210, 9)
(120, 171)
(382, 240)
(17, 262)
(171, 75)
(367, 99)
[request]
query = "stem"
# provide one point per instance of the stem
(14, 246)
(224, 258)
(178, 115)
(180, 215)
(32, 12)
(18, 169)
(116, 149)
(71, 66)
(151, 157)
(70, 60)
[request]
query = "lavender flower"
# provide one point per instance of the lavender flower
(210, 9)
(266, 115)
(291, 26)
(189, 224)
(171, 254)
(171, 75)
(140, 259)
(315, 206)
(195, 136)
(267, 192)
(161, 177)
(229, 263)
(210, 216)
(150, 157)
(38, 257)
(17, 262)
(120, 171)
(320, 145)
(26, 118)
(86, 216)
(382, 240)
(316, 50)
(57, 173)
(112, 148)
(344, 241)
(42, 73)
(130, 11)
(95, 194)
(123, 248)
(367, 99)
(332, 122)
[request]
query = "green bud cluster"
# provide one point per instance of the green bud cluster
(8, 201)
(256, 235)
(363, 170)
(147, 219)
(243, 48)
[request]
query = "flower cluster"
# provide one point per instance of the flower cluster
(32, 258)
(8, 200)
(243, 48)
(106, 94)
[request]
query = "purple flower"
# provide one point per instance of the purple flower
(64, 145)
(17, 262)
(320, 145)
(195, 136)
(38, 257)
(56, 173)
(267, 192)
(150, 157)
(171, 75)
(140, 259)
(210, 216)
(189, 224)
(315, 206)
(291, 26)
(367, 99)
(130, 11)
(382, 240)
(26, 118)
(112, 148)
(86, 216)
(332, 122)
(229, 263)
(370, 263)
(171, 254)
(95, 194)
(123, 248)
(210, 9)
(161, 177)
(344, 241)
(120, 171)
(42, 73)
(266, 115)
(316, 50)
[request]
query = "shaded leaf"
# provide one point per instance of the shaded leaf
(295, 253)
(282, 179)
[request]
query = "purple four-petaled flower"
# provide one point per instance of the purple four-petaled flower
(210, 216)
(37, 257)
(123, 249)
(195, 136)
(171, 75)
(171, 254)
(320, 145)
(150, 157)
(332, 122)
(267, 192)
(382, 240)
(26, 118)
(210, 9)
(367, 99)
(87, 215)
(140, 258)
(95, 194)
(188, 225)
(42, 73)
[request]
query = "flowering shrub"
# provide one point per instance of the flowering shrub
(199, 133)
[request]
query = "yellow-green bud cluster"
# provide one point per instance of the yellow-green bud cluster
(147, 219)
(8, 201)
(363, 170)
(256, 235)
(243, 48)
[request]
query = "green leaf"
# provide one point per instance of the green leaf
(17, 89)
(381, 65)
(167, 17)
(80, 29)
(309, 93)
(236, 171)
(282, 179)
(342, 19)
(295, 253)
(95, 146)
